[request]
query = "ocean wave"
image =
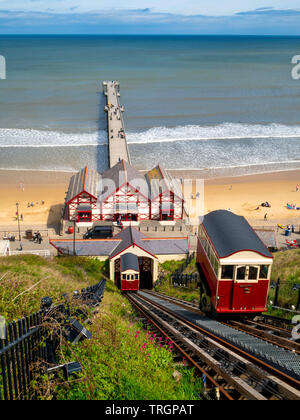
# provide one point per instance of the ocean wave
(41, 138)
(227, 131)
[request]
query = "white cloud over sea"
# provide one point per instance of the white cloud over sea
(214, 8)
(272, 17)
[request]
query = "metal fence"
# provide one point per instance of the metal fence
(184, 280)
(20, 352)
(187, 262)
(28, 346)
(42, 253)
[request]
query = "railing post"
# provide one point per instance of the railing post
(277, 292)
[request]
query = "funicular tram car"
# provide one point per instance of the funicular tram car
(130, 273)
(234, 266)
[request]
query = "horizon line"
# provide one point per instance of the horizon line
(147, 34)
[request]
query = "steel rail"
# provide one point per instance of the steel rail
(274, 371)
(244, 377)
(272, 339)
(180, 350)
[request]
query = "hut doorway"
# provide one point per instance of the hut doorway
(146, 273)
(118, 273)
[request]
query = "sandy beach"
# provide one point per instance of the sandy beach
(45, 190)
(242, 195)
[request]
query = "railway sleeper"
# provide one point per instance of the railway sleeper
(241, 386)
(286, 391)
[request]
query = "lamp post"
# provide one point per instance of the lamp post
(277, 292)
(18, 219)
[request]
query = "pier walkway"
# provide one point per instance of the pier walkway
(117, 143)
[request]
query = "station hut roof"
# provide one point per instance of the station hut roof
(168, 246)
(86, 180)
(268, 237)
(129, 237)
(230, 234)
(85, 247)
(121, 242)
(129, 261)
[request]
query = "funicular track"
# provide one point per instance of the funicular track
(276, 331)
(233, 372)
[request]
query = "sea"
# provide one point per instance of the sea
(226, 105)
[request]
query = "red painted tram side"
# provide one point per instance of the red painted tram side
(130, 272)
(235, 283)
(130, 283)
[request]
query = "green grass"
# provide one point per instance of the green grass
(121, 361)
(286, 266)
(168, 268)
(124, 362)
(25, 280)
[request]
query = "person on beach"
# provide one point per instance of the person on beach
(297, 188)
(266, 216)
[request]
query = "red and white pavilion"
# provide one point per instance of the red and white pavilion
(123, 193)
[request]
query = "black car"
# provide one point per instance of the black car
(99, 232)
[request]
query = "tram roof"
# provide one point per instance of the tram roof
(129, 261)
(230, 234)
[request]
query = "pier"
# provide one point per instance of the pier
(117, 143)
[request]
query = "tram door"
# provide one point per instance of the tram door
(245, 287)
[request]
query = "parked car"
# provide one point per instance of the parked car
(99, 232)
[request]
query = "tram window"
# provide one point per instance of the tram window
(136, 276)
(264, 271)
(241, 273)
(253, 272)
(208, 250)
(227, 272)
(123, 276)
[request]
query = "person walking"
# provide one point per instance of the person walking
(297, 187)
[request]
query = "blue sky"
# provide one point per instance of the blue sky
(247, 17)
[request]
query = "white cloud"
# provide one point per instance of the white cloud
(212, 8)
(108, 20)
